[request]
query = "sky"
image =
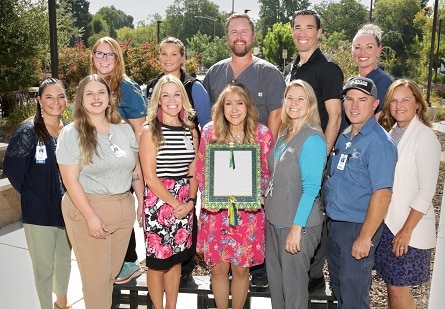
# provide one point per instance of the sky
(141, 9)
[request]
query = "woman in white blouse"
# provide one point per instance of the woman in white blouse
(403, 256)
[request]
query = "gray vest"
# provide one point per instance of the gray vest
(282, 206)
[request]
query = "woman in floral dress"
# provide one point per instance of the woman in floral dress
(168, 154)
(225, 247)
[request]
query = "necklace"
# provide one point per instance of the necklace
(237, 138)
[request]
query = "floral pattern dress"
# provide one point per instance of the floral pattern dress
(244, 244)
(168, 240)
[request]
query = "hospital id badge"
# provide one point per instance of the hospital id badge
(188, 143)
(342, 162)
(117, 151)
(41, 154)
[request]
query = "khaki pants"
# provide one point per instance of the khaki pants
(100, 260)
(50, 254)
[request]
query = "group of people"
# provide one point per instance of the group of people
(349, 182)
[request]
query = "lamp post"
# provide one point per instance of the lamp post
(159, 30)
(437, 53)
(433, 38)
(209, 18)
(370, 12)
(284, 59)
(53, 39)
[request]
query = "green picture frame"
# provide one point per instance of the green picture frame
(233, 173)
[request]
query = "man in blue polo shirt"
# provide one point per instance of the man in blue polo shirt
(357, 194)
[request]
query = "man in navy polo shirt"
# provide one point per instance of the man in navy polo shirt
(357, 194)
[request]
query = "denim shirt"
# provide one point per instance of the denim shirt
(369, 160)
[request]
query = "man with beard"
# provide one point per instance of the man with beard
(263, 80)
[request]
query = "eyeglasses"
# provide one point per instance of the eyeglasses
(100, 55)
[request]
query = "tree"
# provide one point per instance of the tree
(82, 18)
(333, 17)
(23, 43)
(277, 39)
(181, 22)
(396, 18)
(115, 19)
(275, 11)
(67, 32)
(139, 35)
(205, 51)
(99, 29)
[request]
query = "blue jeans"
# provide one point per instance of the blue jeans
(350, 278)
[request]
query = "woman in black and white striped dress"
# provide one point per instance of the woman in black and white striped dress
(167, 152)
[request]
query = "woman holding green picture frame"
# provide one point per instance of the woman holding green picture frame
(234, 242)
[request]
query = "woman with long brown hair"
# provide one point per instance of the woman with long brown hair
(98, 161)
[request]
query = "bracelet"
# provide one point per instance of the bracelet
(192, 199)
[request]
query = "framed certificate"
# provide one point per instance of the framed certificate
(233, 175)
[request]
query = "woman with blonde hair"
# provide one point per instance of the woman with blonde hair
(98, 161)
(107, 61)
(293, 209)
(225, 246)
(168, 149)
(403, 257)
(366, 50)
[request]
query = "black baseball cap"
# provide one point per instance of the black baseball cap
(363, 84)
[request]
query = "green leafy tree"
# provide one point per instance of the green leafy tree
(115, 19)
(99, 29)
(396, 18)
(82, 18)
(346, 16)
(182, 23)
(23, 39)
(275, 11)
(140, 35)
(277, 39)
(67, 31)
(206, 51)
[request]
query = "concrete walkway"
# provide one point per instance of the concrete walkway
(17, 290)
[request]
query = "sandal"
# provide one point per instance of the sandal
(56, 306)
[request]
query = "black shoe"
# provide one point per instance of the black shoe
(315, 284)
(187, 281)
(259, 281)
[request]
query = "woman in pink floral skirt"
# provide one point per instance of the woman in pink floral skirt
(167, 152)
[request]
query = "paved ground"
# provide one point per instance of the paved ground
(17, 289)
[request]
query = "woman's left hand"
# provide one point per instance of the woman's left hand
(400, 243)
(140, 216)
(293, 239)
(183, 209)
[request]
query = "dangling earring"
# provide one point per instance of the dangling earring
(41, 110)
(159, 114)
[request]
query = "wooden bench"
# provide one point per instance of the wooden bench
(137, 287)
